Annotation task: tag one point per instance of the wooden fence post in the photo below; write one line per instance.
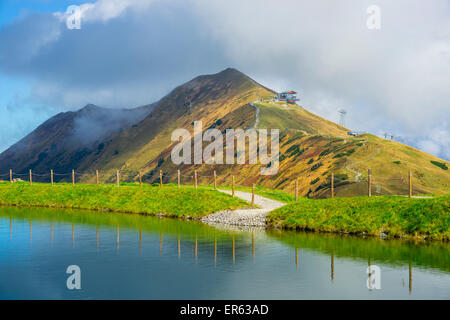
(118, 178)
(332, 184)
(51, 176)
(232, 179)
(410, 277)
(234, 250)
(179, 179)
(160, 178)
(369, 182)
(253, 193)
(73, 177)
(195, 179)
(296, 189)
(10, 176)
(215, 180)
(96, 174)
(410, 183)
(140, 178)
(31, 178)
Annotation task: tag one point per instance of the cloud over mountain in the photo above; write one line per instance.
(132, 52)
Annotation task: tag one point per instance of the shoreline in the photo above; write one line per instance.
(240, 227)
(377, 217)
(169, 201)
(245, 217)
(380, 217)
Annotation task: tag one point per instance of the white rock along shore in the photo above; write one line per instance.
(244, 217)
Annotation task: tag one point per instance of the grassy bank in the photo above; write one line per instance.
(169, 200)
(393, 216)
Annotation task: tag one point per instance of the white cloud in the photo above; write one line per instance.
(104, 10)
(396, 79)
(437, 141)
(131, 52)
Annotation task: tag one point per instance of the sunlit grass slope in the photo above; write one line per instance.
(281, 115)
(311, 149)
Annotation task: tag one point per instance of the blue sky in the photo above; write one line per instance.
(132, 52)
(10, 9)
(17, 121)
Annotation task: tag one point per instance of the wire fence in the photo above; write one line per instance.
(374, 185)
(320, 187)
(76, 177)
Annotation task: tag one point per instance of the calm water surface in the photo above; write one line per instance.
(136, 257)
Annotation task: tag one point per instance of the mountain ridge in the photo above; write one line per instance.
(138, 139)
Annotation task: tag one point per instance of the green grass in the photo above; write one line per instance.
(185, 202)
(394, 216)
(274, 116)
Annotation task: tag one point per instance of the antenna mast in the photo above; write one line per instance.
(342, 114)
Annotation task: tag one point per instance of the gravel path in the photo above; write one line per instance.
(256, 115)
(357, 173)
(244, 217)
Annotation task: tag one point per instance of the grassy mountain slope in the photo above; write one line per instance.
(282, 115)
(312, 159)
(311, 147)
(69, 140)
(205, 98)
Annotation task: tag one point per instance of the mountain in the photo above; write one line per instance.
(311, 147)
(69, 139)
